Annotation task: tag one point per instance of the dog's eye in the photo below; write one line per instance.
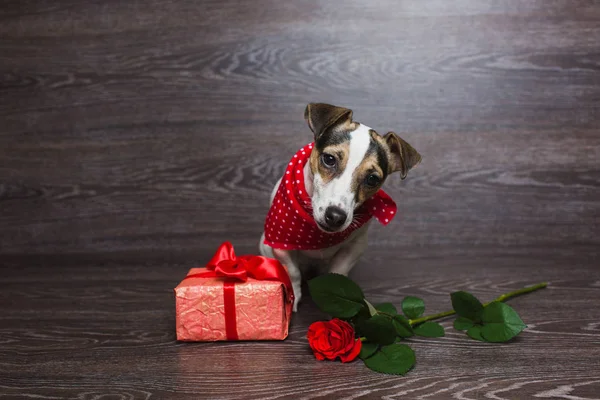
(328, 160)
(372, 180)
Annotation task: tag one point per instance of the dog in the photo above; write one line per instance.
(322, 206)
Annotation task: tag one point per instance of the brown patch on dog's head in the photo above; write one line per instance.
(331, 126)
(339, 151)
(368, 170)
(385, 155)
(372, 171)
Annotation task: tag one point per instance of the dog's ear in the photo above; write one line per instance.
(321, 116)
(404, 156)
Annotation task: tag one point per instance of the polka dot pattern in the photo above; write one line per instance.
(290, 224)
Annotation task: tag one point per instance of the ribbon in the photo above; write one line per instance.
(225, 264)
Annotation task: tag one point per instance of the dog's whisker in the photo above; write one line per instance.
(354, 224)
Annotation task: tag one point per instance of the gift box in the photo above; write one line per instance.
(234, 298)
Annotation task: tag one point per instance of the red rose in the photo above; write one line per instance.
(331, 339)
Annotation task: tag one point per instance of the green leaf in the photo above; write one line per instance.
(413, 307)
(466, 305)
(500, 323)
(387, 308)
(475, 333)
(395, 359)
(402, 326)
(362, 316)
(336, 295)
(367, 350)
(462, 323)
(372, 310)
(429, 329)
(378, 329)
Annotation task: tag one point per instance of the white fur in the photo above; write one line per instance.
(338, 191)
(342, 257)
(339, 259)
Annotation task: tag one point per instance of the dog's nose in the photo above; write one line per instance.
(335, 216)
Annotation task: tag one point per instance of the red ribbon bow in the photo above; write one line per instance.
(227, 265)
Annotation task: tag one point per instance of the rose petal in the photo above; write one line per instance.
(348, 346)
(336, 335)
(333, 339)
(334, 327)
(316, 326)
(337, 344)
(348, 335)
(322, 343)
(353, 354)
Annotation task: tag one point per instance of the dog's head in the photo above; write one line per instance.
(349, 164)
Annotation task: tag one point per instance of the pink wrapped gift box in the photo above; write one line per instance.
(213, 305)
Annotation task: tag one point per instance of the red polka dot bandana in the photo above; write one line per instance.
(290, 224)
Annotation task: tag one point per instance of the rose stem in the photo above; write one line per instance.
(503, 297)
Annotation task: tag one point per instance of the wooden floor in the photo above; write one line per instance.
(136, 136)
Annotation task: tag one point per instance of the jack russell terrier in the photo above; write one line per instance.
(321, 207)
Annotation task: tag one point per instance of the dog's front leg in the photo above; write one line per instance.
(286, 258)
(346, 258)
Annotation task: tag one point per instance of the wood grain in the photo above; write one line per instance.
(107, 329)
(137, 136)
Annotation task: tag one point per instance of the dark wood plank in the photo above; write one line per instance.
(137, 136)
(96, 325)
(516, 188)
